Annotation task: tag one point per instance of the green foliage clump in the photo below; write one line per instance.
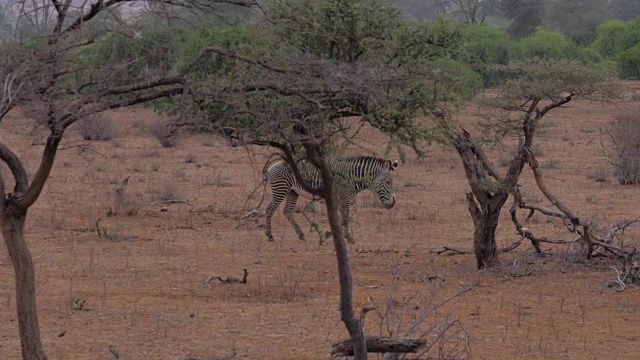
(629, 62)
(546, 44)
(486, 47)
(618, 41)
(333, 29)
(127, 57)
(456, 80)
(588, 56)
(163, 49)
(612, 38)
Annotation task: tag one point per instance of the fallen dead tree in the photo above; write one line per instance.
(378, 344)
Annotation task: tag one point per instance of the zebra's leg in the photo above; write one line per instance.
(289, 207)
(277, 197)
(345, 221)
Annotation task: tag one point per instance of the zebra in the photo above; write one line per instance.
(352, 175)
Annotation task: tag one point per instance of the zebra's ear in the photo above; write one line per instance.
(394, 165)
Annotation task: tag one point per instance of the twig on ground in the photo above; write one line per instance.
(228, 280)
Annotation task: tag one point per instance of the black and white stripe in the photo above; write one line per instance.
(352, 175)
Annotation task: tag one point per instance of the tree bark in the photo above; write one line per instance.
(379, 344)
(12, 224)
(344, 270)
(489, 192)
(316, 157)
(484, 236)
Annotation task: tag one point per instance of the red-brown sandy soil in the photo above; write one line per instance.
(143, 283)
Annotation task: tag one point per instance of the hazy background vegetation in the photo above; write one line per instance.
(603, 33)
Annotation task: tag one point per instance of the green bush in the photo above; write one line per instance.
(612, 38)
(333, 29)
(459, 80)
(192, 41)
(619, 41)
(484, 48)
(162, 49)
(142, 55)
(629, 62)
(546, 44)
(588, 56)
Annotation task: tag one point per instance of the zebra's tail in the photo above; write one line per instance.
(255, 209)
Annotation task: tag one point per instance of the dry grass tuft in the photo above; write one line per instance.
(97, 127)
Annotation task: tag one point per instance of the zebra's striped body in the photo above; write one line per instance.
(352, 175)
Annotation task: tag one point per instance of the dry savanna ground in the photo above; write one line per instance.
(139, 291)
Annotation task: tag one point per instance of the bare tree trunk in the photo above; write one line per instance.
(13, 213)
(484, 236)
(489, 192)
(344, 271)
(353, 325)
(12, 224)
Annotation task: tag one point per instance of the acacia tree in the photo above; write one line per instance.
(473, 12)
(347, 64)
(525, 15)
(44, 78)
(298, 107)
(578, 19)
(534, 88)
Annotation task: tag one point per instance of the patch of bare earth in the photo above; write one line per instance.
(139, 290)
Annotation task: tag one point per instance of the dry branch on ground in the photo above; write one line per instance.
(228, 280)
(378, 344)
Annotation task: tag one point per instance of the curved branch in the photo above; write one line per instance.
(16, 167)
(572, 216)
(42, 174)
(553, 105)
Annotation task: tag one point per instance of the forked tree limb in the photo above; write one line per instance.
(484, 160)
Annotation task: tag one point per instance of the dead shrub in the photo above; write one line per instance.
(165, 133)
(550, 164)
(623, 132)
(123, 202)
(599, 174)
(425, 315)
(97, 127)
(165, 191)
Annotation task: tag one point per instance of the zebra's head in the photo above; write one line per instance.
(383, 184)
